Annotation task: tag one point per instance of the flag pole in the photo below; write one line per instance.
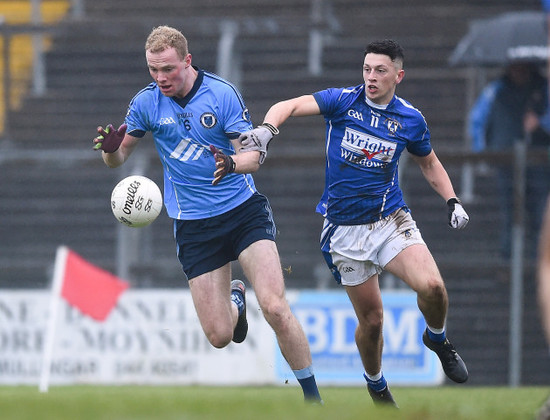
(59, 270)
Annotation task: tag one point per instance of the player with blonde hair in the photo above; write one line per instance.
(195, 118)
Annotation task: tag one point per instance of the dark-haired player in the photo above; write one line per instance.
(368, 227)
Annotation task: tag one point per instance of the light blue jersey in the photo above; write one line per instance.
(183, 128)
(363, 144)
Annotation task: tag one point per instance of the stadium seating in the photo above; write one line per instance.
(20, 45)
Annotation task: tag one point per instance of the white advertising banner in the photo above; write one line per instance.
(153, 336)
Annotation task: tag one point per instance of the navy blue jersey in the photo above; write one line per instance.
(183, 128)
(363, 144)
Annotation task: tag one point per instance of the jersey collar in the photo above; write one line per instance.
(198, 82)
(378, 106)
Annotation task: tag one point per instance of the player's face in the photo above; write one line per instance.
(170, 72)
(381, 76)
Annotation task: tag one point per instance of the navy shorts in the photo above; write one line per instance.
(207, 244)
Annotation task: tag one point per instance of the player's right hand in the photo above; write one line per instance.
(109, 139)
(258, 139)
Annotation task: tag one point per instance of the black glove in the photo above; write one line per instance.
(109, 139)
(458, 218)
(224, 164)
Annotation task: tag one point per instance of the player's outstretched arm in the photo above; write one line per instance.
(258, 139)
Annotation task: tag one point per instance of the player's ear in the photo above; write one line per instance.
(400, 76)
(188, 58)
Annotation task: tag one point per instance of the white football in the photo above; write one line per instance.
(136, 201)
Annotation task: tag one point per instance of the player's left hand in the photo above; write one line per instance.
(224, 164)
(258, 139)
(458, 218)
(109, 139)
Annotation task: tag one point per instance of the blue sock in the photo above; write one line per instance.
(238, 299)
(377, 385)
(309, 385)
(438, 336)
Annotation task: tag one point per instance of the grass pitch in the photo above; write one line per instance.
(265, 403)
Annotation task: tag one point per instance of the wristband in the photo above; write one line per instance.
(274, 130)
(232, 165)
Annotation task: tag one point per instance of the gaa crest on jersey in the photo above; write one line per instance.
(393, 125)
(208, 120)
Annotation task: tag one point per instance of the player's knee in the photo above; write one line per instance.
(277, 313)
(435, 289)
(371, 324)
(219, 339)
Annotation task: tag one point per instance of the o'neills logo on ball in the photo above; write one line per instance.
(130, 196)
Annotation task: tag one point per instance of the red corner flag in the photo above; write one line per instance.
(89, 288)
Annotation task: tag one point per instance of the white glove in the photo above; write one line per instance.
(458, 218)
(258, 139)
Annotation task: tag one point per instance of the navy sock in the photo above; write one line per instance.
(378, 385)
(436, 337)
(309, 385)
(238, 298)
